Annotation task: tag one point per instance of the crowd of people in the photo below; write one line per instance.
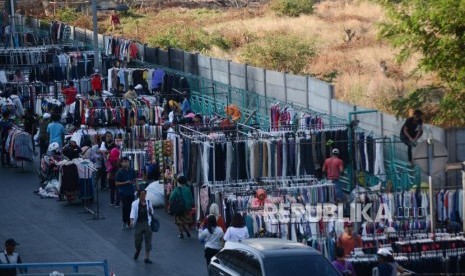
(114, 173)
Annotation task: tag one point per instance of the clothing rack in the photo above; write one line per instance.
(95, 213)
(30, 49)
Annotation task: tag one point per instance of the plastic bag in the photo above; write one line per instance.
(155, 194)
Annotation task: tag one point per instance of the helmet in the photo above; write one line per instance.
(53, 146)
(335, 151)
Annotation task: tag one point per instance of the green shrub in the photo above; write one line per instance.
(292, 7)
(205, 11)
(285, 53)
(67, 14)
(221, 41)
(182, 37)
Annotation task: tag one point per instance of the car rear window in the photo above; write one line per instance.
(315, 265)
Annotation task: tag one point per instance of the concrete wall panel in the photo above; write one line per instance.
(273, 77)
(275, 91)
(190, 63)
(163, 58)
(296, 82)
(220, 65)
(238, 69)
(255, 73)
(296, 96)
(239, 82)
(176, 59)
(204, 61)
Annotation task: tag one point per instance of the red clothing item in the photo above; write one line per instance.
(349, 243)
(133, 50)
(219, 222)
(114, 19)
(70, 95)
(333, 166)
(96, 83)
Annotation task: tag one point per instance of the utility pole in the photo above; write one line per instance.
(95, 35)
(12, 23)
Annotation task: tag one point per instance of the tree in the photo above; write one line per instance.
(436, 29)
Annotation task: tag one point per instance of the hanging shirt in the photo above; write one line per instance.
(70, 95)
(96, 82)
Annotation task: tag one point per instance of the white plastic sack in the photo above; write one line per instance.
(155, 194)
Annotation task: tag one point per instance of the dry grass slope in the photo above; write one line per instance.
(344, 32)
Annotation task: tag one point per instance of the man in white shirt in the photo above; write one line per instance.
(10, 257)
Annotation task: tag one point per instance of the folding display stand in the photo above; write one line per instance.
(96, 213)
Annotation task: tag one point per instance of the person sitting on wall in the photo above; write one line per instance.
(411, 131)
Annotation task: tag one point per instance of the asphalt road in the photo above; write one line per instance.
(52, 231)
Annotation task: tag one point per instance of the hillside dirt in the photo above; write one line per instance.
(350, 55)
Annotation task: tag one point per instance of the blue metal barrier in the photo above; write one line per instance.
(74, 265)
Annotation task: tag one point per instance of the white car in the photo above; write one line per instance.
(269, 257)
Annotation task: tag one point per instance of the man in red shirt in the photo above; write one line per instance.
(349, 240)
(333, 167)
(114, 20)
(70, 96)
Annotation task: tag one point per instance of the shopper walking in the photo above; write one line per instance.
(9, 256)
(212, 237)
(384, 268)
(6, 123)
(125, 181)
(215, 211)
(342, 265)
(237, 231)
(56, 131)
(104, 149)
(334, 167)
(113, 159)
(140, 219)
(182, 195)
(70, 94)
(43, 124)
(348, 240)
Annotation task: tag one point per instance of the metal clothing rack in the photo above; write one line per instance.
(95, 213)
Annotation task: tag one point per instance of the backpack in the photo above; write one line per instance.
(177, 204)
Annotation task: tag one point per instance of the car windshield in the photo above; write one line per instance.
(314, 265)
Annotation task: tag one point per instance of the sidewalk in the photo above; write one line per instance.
(51, 231)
